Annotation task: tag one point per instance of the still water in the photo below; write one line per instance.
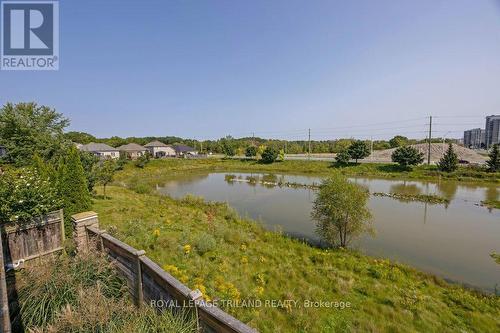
(452, 241)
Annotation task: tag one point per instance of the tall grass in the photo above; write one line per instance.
(84, 294)
(250, 263)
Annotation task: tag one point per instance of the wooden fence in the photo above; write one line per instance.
(22, 242)
(4, 298)
(148, 282)
(25, 241)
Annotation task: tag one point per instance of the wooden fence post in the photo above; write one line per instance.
(139, 291)
(80, 222)
(4, 309)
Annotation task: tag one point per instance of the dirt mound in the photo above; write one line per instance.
(437, 151)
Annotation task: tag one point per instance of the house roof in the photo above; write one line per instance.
(155, 144)
(183, 148)
(97, 147)
(131, 147)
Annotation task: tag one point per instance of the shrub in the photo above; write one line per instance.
(24, 194)
(142, 161)
(449, 161)
(269, 155)
(205, 243)
(343, 158)
(407, 156)
(251, 151)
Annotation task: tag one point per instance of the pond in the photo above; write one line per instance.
(453, 241)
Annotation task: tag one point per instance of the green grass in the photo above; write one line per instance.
(158, 171)
(209, 247)
(491, 203)
(429, 198)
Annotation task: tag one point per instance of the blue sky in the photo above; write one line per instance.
(206, 69)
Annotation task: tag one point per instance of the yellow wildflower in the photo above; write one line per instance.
(259, 290)
(244, 260)
(243, 247)
(156, 233)
(187, 249)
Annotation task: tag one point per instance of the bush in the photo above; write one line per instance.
(407, 156)
(205, 243)
(24, 194)
(269, 155)
(251, 151)
(343, 158)
(142, 161)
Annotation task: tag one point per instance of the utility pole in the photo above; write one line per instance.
(430, 136)
(253, 138)
(371, 148)
(309, 155)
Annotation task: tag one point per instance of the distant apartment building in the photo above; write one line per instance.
(492, 130)
(474, 138)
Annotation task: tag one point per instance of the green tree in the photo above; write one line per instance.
(494, 159)
(398, 141)
(228, 146)
(340, 211)
(343, 158)
(26, 129)
(449, 161)
(281, 155)
(25, 194)
(89, 162)
(105, 173)
(358, 149)
(73, 186)
(80, 137)
(251, 151)
(269, 155)
(407, 156)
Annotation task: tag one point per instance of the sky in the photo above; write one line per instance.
(206, 69)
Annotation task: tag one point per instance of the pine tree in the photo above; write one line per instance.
(449, 161)
(72, 186)
(494, 161)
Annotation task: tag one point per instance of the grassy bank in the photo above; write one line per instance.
(207, 246)
(158, 171)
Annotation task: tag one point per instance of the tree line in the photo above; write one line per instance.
(238, 146)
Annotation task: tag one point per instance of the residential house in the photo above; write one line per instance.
(101, 149)
(132, 150)
(158, 149)
(183, 150)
